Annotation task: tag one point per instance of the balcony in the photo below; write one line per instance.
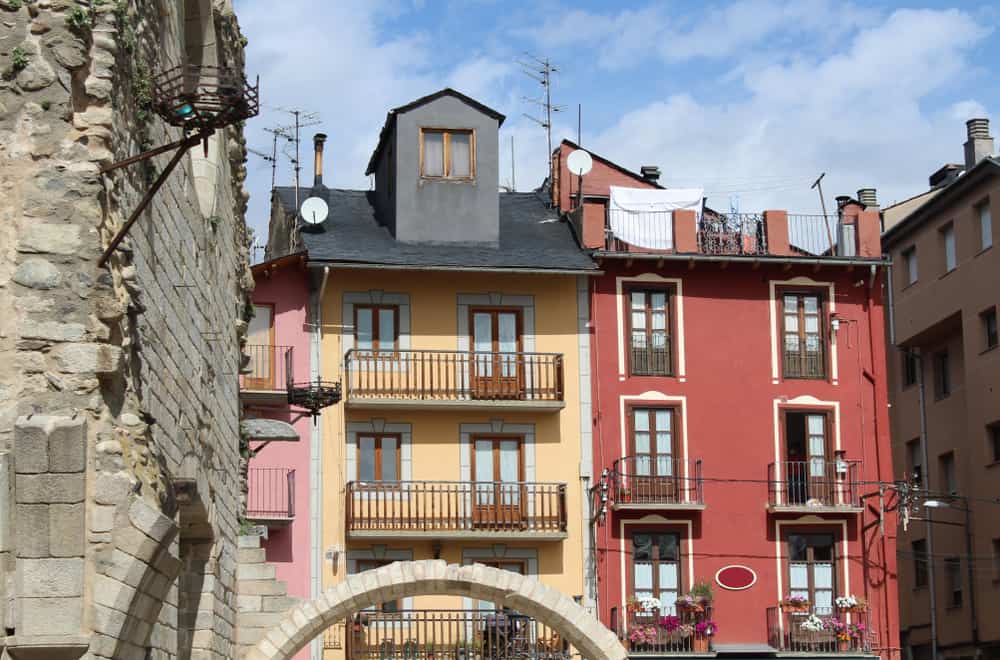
(664, 631)
(267, 374)
(271, 496)
(451, 635)
(814, 487)
(850, 236)
(647, 482)
(821, 631)
(454, 380)
(456, 509)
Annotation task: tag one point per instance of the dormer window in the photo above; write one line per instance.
(447, 153)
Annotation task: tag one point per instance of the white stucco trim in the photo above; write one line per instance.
(586, 440)
(801, 522)
(775, 339)
(651, 278)
(648, 521)
(655, 398)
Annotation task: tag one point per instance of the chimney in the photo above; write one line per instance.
(650, 173)
(867, 197)
(945, 175)
(318, 141)
(980, 143)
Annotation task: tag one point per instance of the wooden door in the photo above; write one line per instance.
(497, 366)
(498, 491)
(654, 477)
(260, 342)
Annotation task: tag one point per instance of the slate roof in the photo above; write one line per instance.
(531, 236)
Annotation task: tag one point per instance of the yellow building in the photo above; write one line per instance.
(455, 318)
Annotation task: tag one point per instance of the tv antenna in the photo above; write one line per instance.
(292, 133)
(818, 184)
(541, 70)
(270, 158)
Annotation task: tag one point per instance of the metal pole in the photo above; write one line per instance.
(548, 114)
(298, 165)
(818, 184)
(513, 179)
(928, 516)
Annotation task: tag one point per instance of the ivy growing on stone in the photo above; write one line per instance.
(18, 60)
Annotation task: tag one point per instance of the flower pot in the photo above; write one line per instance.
(843, 645)
(700, 644)
(790, 608)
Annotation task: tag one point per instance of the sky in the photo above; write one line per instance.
(751, 100)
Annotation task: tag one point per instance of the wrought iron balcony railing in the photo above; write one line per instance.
(820, 630)
(814, 484)
(431, 375)
(271, 494)
(666, 630)
(646, 479)
(405, 634)
(415, 508)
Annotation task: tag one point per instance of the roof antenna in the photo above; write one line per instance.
(818, 184)
(541, 71)
(291, 133)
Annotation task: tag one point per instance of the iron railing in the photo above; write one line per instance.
(646, 231)
(268, 369)
(815, 482)
(271, 493)
(821, 236)
(455, 506)
(664, 630)
(732, 234)
(820, 630)
(483, 634)
(649, 479)
(431, 375)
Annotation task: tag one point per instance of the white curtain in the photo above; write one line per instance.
(460, 154)
(433, 154)
(644, 217)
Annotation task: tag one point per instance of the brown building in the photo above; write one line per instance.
(944, 381)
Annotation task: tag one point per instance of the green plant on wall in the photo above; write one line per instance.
(18, 60)
(80, 20)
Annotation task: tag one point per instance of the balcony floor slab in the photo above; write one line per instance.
(469, 534)
(804, 509)
(675, 506)
(361, 403)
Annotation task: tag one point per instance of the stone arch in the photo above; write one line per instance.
(434, 576)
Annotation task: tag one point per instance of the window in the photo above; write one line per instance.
(390, 606)
(953, 578)
(378, 457)
(811, 570)
(650, 474)
(447, 154)
(985, 224)
(804, 340)
(909, 368)
(649, 333)
(916, 461)
(942, 375)
(989, 321)
(920, 558)
(260, 346)
(376, 328)
(993, 436)
(498, 470)
(498, 367)
(808, 470)
(910, 261)
(948, 238)
(656, 568)
(947, 463)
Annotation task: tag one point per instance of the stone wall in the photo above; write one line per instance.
(119, 446)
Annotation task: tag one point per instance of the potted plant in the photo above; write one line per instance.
(650, 604)
(812, 626)
(642, 636)
(682, 632)
(702, 593)
(839, 630)
(857, 631)
(670, 623)
(792, 603)
(850, 603)
(688, 603)
(633, 604)
(703, 631)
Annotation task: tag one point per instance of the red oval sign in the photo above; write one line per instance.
(735, 577)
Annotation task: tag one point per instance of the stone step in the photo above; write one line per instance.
(259, 619)
(252, 555)
(255, 572)
(249, 541)
(261, 588)
(278, 603)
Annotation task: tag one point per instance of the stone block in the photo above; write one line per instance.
(102, 518)
(31, 444)
(150, 521)
(248, 542)
(66, 533)
(49, 616)
(262, 588)
(246, 603)
(37, 273)
(68, 444)
(52, 330)
(111, 488)
(255, 572)
(88, 358)
(31, 524)
(45, 237)
(278, 603)
(252, 555)
(48, 488)
(46, 578)
(135, 543)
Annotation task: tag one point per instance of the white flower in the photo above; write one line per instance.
(650, 603)
(812, 623)
(846, 602)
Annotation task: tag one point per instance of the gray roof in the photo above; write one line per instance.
(532, 237)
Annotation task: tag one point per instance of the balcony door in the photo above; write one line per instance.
(260, 342)
(498, 470)
(653, 478)
(656, 568)
(811, 570)
(808, 471)
(497, 370)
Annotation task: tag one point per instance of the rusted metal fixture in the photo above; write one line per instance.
(199, 100)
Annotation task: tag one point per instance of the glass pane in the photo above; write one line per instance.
(638, 319)
(792, 343)
(667, 544)
(642, 547)
(386, 329)
(508, 333)
(364, 330)
(791, 323)
(985, 226)
(798, 575)
(817, 446)
(796, 547)
(390, 452)
(791, 304)
(659, 339)
(483, 331)
(643, 576)
(824, 601)
(659, 321)
(663, 420)
(433, 154)
(811, 304)
(366, 458)
(639, 339)
(815, 423)
(643, 465)
(812, 324)
(641, 419)
(509, 460)
(664, 465)
(260, 326)
(484, 460)
(823, 549)
(823, 576)
(460, 154)
(817, 467)
(642, 442)
(638, 300)
(658, 301)
(668, 576)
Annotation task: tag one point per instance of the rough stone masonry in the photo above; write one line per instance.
(119, 445)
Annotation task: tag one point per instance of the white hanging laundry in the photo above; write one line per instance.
(643, 217)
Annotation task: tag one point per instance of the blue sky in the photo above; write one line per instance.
(749, 99)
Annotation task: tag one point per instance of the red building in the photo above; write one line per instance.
(740, 424)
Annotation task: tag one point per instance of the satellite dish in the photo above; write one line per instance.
(314, 211)
(579, 162)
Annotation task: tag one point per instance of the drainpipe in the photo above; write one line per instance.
(928, 513)
(316, 464)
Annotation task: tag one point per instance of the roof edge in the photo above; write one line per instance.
(611, 163)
